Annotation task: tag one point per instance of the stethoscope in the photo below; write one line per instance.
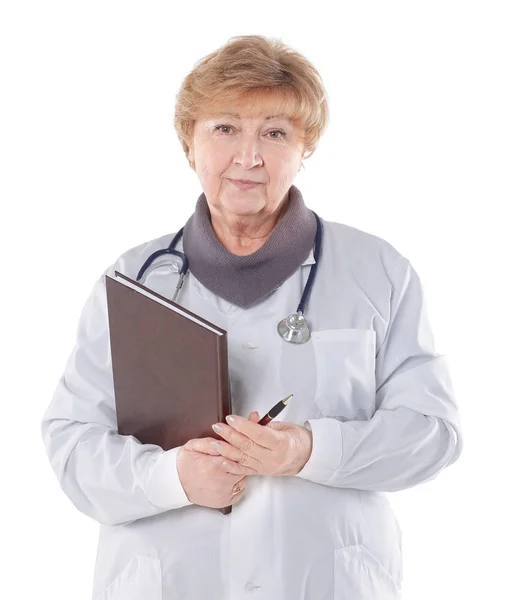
(293, 328)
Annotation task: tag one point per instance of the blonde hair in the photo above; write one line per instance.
(259, 74)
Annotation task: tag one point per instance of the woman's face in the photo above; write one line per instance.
(228, 146)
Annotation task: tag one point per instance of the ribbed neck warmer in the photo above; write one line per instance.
(245, 280)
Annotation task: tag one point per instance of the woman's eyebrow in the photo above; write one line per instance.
(239, 117)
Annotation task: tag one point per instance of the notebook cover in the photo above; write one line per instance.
(170, 374)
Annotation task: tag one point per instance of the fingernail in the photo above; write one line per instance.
(217, 428)
(230, 419)
(217, 446)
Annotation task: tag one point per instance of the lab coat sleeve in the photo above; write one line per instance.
(415, 430)
(112, 478)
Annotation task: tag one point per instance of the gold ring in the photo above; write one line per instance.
(236, 489)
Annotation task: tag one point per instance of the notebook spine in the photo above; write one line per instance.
(224, 387)
(223, 377)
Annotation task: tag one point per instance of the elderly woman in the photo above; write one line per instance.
(373, 408)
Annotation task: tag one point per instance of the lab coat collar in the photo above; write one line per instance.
(310, 260)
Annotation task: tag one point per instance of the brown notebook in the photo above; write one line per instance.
(170, 367)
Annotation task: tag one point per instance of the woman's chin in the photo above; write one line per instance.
(243, 206)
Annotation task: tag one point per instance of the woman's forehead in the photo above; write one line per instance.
(261, 108)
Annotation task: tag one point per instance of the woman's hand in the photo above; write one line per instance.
(205, 480)
(277, 448)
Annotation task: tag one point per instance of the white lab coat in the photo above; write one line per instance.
(370, 386)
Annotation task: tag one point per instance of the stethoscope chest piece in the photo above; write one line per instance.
(294, 329)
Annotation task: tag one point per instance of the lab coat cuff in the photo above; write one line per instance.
(164, 487)
(326, 455)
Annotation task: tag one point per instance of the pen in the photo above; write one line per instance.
(276, 410)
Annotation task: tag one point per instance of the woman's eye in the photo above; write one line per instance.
(280, 131)
(218, 127)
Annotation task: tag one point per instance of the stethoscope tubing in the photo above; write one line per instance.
(185, 264)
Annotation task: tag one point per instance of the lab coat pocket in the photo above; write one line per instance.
(359, 574)
(345, 373)
(141, 578)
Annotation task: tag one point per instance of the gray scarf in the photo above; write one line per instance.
(245, 280)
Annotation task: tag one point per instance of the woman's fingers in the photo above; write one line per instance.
(233, 468)
(241, 483)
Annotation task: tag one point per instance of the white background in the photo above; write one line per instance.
(422, 149)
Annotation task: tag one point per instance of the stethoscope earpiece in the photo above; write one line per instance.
(294, 329)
